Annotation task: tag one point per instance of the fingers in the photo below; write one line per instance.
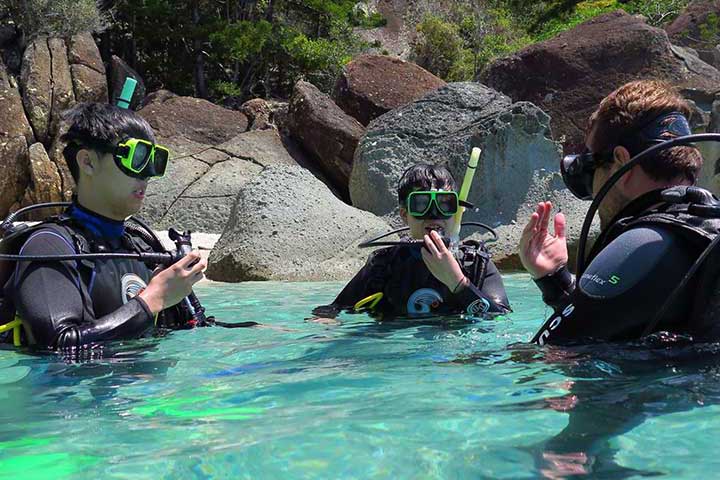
(438, 241)
(545, 218)
(431, 247)
(188, 259)
(559, 225)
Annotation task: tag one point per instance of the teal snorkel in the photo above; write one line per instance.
(123, 101)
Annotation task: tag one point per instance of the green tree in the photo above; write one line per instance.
(60, 18)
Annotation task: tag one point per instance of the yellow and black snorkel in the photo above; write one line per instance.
(463, 196)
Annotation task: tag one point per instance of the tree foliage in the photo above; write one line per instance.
(61, 18)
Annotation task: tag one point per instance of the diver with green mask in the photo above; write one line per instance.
(104, 290)
(428, 273)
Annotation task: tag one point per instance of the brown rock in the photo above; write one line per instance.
(36, 81)
(194, 119)
(325, 131)
(371, 85)
(258, 112)
(119, 72)
(13, 122)
(14, 178)
(697, 28)
(89, 85)
(82, 50)
(158, 96)
(63, 92)
(45, 183)
(87, 69)
(568, 75)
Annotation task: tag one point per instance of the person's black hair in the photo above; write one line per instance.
(424, 176)
(100, 126)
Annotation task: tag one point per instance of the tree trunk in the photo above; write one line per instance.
(199, 74)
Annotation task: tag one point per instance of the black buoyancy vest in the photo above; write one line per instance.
(694, 215)
(105, 285)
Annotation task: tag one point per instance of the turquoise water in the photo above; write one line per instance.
(443, 399)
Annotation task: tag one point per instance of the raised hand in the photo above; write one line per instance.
(541, 252)
(442, 264)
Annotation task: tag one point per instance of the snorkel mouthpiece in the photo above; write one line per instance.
(123, 101)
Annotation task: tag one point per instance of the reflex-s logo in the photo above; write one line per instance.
(614, 280)
(131, 285)
(555, 323)
(423, 301)
(477, 307)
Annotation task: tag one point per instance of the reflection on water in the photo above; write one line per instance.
(437, 398)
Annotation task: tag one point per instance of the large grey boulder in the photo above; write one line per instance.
(287, 225)
(198, 190)
(519, 165)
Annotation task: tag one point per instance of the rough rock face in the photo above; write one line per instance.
(287, 225)
(710, 175)
(518, 168)
(44, 180)
(15, 134)
(63, 95)
(371, 85)
(193, 119)
(258, 114)
(198, 190)
(36, 80)
(87, 68)
(119, 71)
(697, 27)
(325, 131)
(568, 75)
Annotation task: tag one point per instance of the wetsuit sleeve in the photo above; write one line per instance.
(556, 287)
(49, 298)
(623, 289)
(353, 292)
(484, 295)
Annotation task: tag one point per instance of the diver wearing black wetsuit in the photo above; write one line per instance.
(408, 287)
(623, 287)
(75, 302)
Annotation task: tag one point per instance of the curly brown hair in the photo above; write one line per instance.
(631, 107)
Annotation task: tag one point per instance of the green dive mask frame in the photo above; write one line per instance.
(420, 203)
(140, 158)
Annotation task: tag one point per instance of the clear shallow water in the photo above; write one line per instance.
(437, 400)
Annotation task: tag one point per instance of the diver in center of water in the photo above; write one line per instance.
(65, 305)
(422, 279)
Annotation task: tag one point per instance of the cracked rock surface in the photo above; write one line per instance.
(213, 157)
(287, 225)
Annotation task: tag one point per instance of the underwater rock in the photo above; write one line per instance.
(372, 85)
(518, 168)
(325, 131)
(287, 225)
(568, 75)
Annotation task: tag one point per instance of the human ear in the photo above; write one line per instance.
(404, 214)
(85, 161)
(621, 157)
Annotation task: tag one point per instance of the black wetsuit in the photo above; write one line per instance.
(409, 289)
(74, 303)
(629, 277)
